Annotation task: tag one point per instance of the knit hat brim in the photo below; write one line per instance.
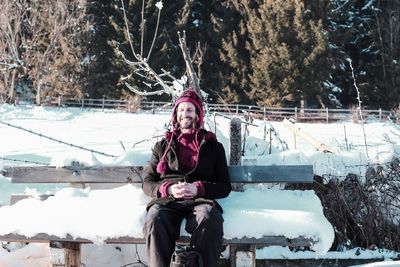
(192, 97)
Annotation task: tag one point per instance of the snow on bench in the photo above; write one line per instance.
(258, 215)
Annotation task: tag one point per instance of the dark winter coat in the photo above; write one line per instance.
(211, 169)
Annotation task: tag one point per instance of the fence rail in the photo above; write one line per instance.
(267, 113)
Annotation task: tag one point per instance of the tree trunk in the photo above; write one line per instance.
(39, 92)
(381, 43)
(320, 101)
(303, 103)
(11, 91)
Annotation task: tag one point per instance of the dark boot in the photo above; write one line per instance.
(206, 227)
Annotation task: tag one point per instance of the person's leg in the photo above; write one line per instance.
(161, 229)
(206, 226)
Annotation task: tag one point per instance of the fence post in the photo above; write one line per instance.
(380, 114)
(327, 115)
(83, 101)
(265, 115)
(237, 109)
(235, 141)
(295, 113)
(102, 104)
(235, 159)
(270, 141)
(65, 254)
(152, 107)
(129, 106)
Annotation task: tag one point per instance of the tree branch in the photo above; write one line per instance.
(189, 66)
(138, 92)
(144, 70)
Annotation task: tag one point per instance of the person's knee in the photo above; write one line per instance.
(155, 217)
(210, 214)
(161, 222)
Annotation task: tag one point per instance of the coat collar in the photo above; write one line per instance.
(201, 135)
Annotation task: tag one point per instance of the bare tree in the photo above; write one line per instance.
(56, 28)
(11, 20)
(42, 43)
(164, 79)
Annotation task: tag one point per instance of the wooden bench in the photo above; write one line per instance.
(81, 176)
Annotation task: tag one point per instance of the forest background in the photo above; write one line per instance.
(307, 53)
(273, 53)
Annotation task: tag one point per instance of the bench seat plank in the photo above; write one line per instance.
(49, 174)
(265, 240)
(135, 174)
(272, 174)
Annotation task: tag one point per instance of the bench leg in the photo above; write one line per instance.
(247, 255)
(65, 254)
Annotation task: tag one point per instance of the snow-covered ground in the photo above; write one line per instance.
(267, 210)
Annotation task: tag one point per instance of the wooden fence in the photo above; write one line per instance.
(267, 113)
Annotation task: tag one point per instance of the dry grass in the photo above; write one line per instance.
(364, 213)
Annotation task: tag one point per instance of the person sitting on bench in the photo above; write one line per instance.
(186, 173)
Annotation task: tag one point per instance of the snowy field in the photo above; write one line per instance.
(128, 137)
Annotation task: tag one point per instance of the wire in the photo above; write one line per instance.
(139, 261)
(25, 161)
(53, 139)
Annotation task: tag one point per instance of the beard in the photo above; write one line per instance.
(188, 123)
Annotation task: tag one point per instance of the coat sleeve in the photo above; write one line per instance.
(222, 185)
(152, 180)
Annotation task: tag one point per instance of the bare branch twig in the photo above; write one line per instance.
(155, 33)
(144, 93)
(127, 29)
(359, 106)
(189, 66)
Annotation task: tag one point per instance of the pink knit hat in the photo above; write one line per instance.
(191, 96)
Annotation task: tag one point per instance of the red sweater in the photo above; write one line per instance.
(188, 154)
(187, 150)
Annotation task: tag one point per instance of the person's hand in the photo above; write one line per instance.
(183, 190)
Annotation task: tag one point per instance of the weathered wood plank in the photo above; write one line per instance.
(272, 174)
(15, 198)
(250, 249)
(308, 138)
(320, 262)
(124, 174)
(265, 240)
(66, 254)
(47, 174)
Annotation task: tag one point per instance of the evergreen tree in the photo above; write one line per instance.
(234, 58)
(339, 35)
(367, 32)
(384, 73)
(350, 35)
(203, 26)
(102, 70)
(289, 54)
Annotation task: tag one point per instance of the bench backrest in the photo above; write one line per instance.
(135, 174)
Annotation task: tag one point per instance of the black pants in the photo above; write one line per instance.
(162, 229)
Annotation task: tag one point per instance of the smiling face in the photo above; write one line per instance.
(186, 116)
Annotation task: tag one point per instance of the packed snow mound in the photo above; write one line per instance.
(100, 214)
